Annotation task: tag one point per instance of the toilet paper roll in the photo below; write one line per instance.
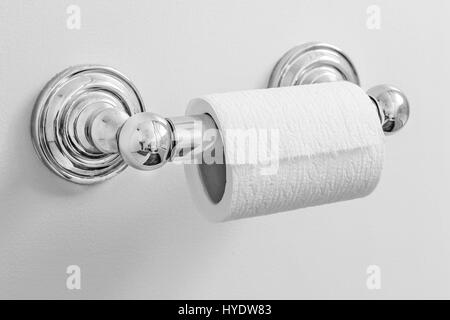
(315, 144)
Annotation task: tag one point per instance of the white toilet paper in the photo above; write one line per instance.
(330, 147)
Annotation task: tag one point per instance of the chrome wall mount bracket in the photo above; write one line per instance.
(64, 111)
(89, 122)
(310, 63)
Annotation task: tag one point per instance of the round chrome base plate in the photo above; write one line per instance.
(310, 63)
(55, 123)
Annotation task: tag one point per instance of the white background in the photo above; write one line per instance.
(140, 236)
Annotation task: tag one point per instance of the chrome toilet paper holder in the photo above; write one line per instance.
(86, 116)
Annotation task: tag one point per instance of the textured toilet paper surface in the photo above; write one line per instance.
(325, 141)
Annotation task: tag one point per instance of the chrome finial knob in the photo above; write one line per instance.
(145, 141)
(393, 107)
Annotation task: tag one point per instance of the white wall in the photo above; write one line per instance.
(139, 235)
